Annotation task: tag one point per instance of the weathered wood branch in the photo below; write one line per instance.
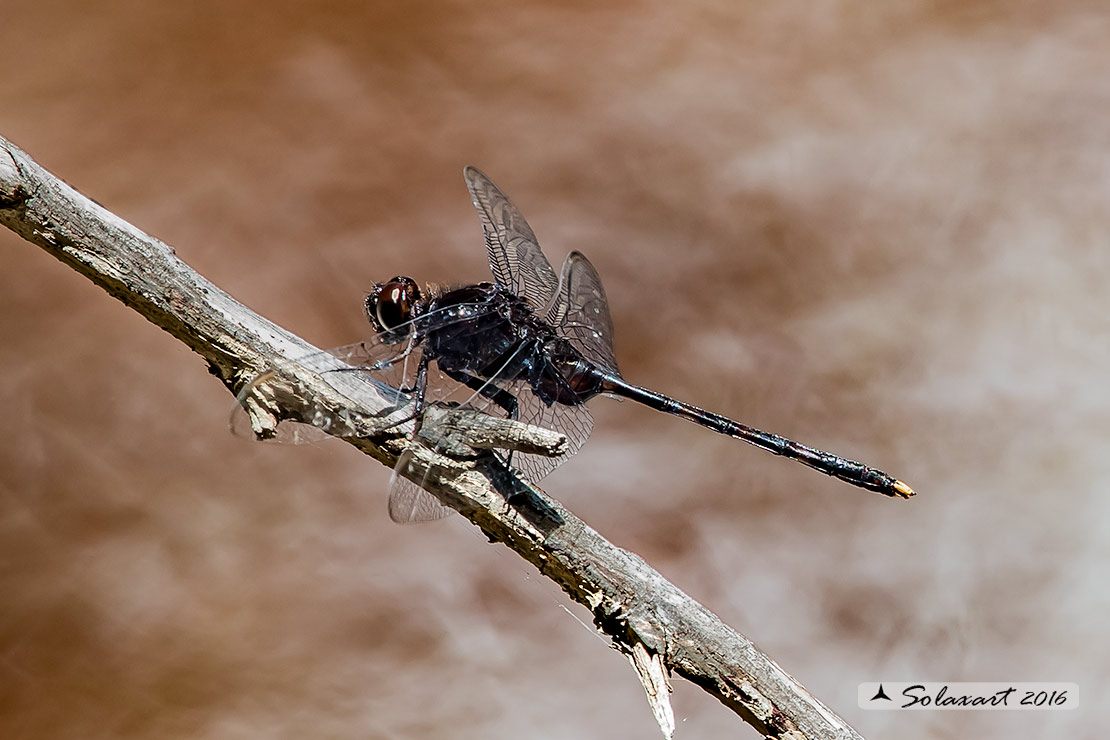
(647, 618)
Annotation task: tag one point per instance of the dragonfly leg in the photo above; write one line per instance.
(507, 401)
(420, 389)
(418, 392)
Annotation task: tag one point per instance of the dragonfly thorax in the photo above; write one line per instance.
(480, 329)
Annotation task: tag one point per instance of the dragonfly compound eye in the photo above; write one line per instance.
(390, 305)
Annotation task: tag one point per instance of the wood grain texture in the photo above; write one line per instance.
(631, 602)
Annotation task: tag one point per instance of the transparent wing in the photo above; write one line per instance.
(575, 422)
(515, 257)
(355, 369)
(580, 312)
(387, 369)
(288, 431)
(391, 367)
(411, 503)
(408, 502)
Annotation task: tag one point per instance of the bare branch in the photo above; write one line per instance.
(646, 617)
(653, 676)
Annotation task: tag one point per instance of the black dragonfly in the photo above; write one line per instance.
(532, 346)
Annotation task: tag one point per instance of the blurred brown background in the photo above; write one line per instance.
(879, 229)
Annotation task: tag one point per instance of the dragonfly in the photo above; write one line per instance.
(534, 346)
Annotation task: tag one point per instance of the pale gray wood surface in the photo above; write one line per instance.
(632, 603)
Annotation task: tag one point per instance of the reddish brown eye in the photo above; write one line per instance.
(394, 307)
(390, 306)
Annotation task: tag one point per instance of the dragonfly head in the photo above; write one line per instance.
(391, 307)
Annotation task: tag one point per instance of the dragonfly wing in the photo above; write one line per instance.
(287, 431)
(408, 502)
(390, 367)
(580, 313)
(515, 257)
(386, 368)
(575, 422)
(372, 365)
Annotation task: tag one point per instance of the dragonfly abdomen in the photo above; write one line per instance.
(849, 471)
